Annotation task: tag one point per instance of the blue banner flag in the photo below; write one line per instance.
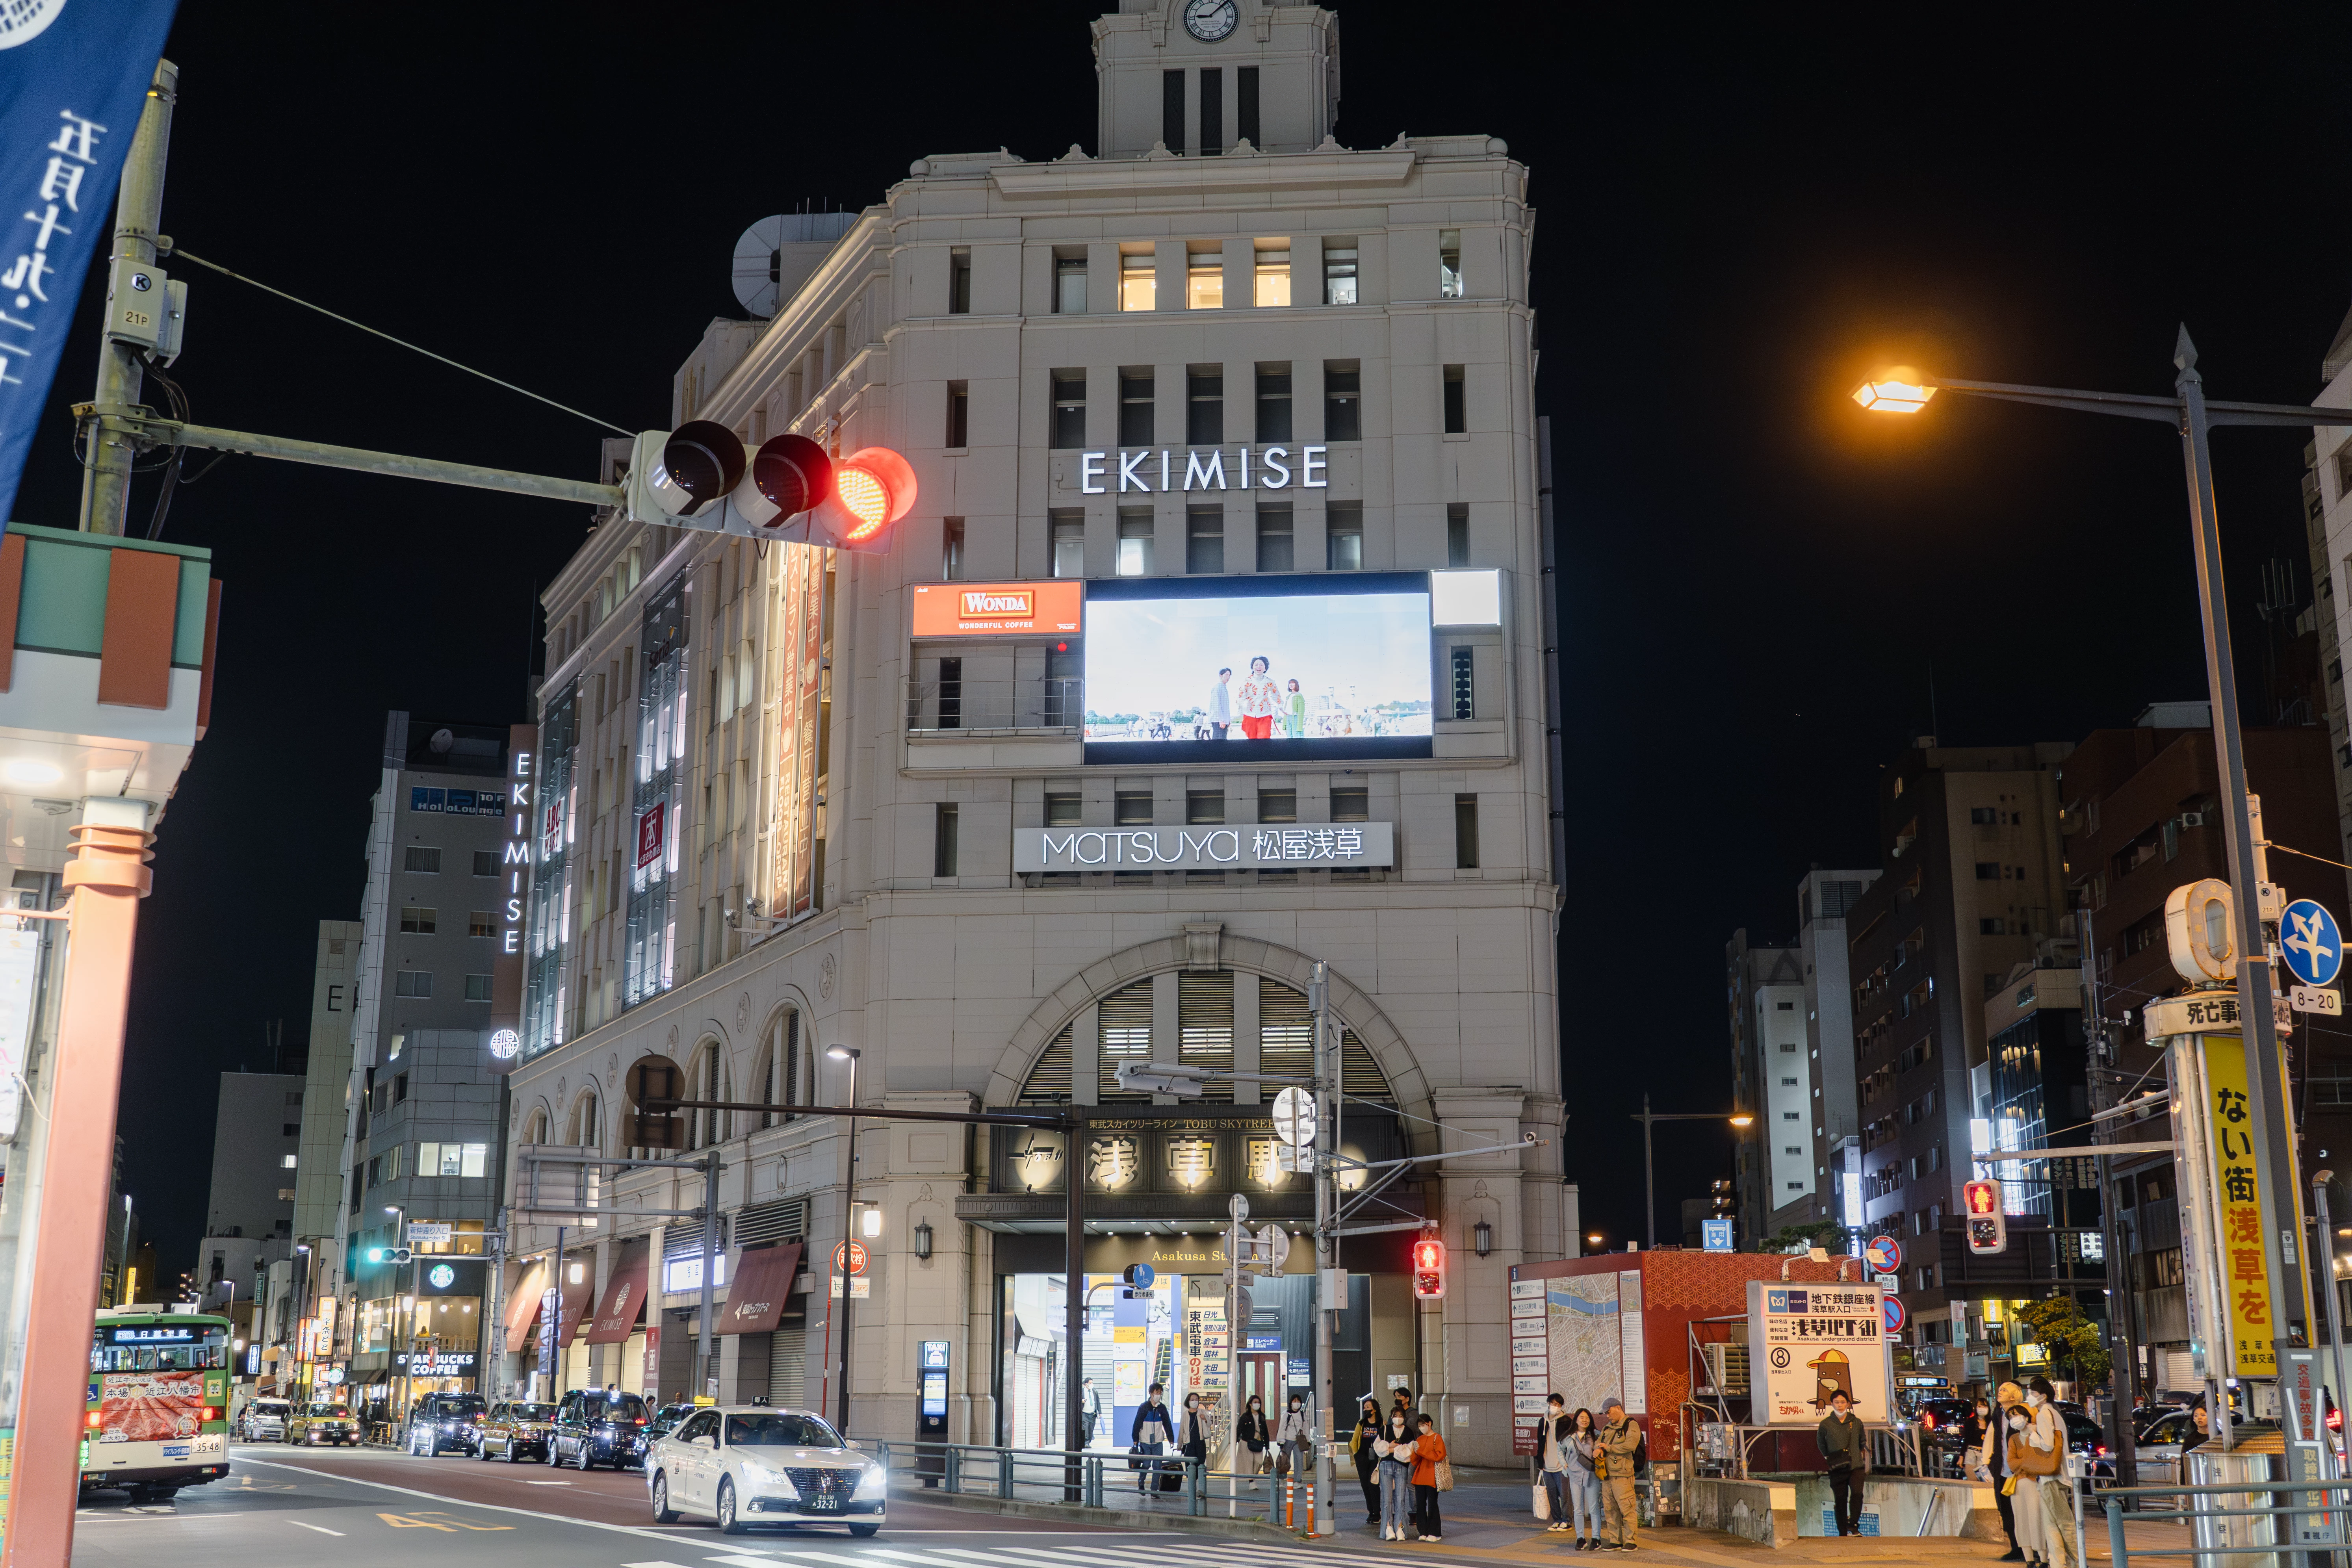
(73, 79)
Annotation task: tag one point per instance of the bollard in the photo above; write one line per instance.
(1288, 1486)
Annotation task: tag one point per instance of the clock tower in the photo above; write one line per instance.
(1199, 76)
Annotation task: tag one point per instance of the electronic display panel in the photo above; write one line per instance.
(1256, 670)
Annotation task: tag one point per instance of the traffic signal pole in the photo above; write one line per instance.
(1327, 1241)
(138, 222)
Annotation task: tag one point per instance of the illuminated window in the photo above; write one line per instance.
(1069, 285)
(1338, 272)
(1139, 285)
(1204, 280)
(1270, 278)
(481, 922)
(1449, 264)
(1135, 544)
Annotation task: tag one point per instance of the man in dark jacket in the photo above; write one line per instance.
(1150, 1432)
(1846, 1445)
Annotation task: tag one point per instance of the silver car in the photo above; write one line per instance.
(264, 1420)
(745, 1465)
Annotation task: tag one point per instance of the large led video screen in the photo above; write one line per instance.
(1256, 670)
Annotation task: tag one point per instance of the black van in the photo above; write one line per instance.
(594, 1426)
(438, 1423)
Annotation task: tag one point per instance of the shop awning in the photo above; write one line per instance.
(755, 1296)
(624, 1298)
(523, 1307)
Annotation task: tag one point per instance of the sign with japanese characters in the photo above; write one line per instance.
(73, 80)
(2244, 1286)
(1808, 1343)
(1269, 847)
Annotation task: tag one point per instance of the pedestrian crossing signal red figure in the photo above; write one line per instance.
(1988, 1227)
(1428, 1268)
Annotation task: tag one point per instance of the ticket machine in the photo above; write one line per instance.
(932, 1367)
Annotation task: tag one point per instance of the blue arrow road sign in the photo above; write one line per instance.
(2314, 947)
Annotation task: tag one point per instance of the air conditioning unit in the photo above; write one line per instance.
(1727, 1367)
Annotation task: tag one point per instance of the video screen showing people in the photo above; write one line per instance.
(1266, 669)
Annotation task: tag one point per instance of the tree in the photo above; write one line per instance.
(2073, 1341)
(1826, 1234)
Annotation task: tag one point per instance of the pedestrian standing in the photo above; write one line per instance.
(1585, 1481)
(1428, 1453)
(1844, 1444)
(1619, 1441)
(1148, 1435)
(1395, 1451)
(1992, 1464)
(2048, 1433)
(1195, 1444)
(1253, 1435)
(1090, 1407)
(1556, 1431)
(1368, 1461)
(2024, 1487)
(1294, 1438)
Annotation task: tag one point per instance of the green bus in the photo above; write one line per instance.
(158, 1413)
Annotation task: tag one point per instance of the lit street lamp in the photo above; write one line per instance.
(1649, 1187)
(848, 1228)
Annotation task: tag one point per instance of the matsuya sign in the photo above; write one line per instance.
(1282, 847)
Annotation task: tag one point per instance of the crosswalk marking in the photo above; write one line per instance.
(652, 1565)
(1205, 1554)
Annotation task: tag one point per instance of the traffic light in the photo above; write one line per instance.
(392, 1254)
(1988, 1227)
(1428, 1268)
(700, 476)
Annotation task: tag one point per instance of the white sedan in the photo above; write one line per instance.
(743, 1464)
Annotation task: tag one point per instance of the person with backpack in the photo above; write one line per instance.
(1619, 1447)
(1294, 1439)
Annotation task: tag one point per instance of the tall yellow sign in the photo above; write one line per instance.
(2244, 1286)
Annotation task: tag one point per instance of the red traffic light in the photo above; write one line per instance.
(1428, 1268)
(873, 488)
(1982, 1197)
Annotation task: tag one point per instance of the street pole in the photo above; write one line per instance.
(1073, 1314)
(138, 221)
(1648, 1185)
(706, 1350)
(849, 1228)
(2325, 1254)
(555, 1361)
(1327, 1241)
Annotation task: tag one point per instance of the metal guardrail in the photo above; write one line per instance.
(2133, 1506)
(1103, 1479)
(1037, 703)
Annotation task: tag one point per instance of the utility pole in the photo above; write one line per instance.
(1329, 1280)
(138, 222)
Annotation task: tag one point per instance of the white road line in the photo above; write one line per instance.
(651, 1566)
(554, 1484)
(485, 1507)
(320, 1527)
(924, 1558)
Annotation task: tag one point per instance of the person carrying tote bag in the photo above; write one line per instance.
(1368, 1461)
(1394, 1448)
(1254, 1435)
(1294, 1439)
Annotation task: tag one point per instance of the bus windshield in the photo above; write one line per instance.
(191, 1345)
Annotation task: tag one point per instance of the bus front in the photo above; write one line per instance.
(157, 1418)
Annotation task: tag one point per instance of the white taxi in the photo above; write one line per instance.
(745, 1465)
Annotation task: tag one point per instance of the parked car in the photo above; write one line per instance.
(514, 1429)
(599, 1427)
(322, 1422)
(744, 1465)
(438, 1423)
(264, 1420)
(1943, 1419)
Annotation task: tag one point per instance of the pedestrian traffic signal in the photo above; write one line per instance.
(1428, 1268)
(700, 476)
(1988, 1227)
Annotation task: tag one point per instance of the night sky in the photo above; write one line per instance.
(1739, 214)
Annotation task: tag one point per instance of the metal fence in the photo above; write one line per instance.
(937, 703)
(2271, 1528)
(1096, 1479)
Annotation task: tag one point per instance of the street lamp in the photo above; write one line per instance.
(1649, 1187)
(848, 1227)
(399, 1318)
(1905, 391)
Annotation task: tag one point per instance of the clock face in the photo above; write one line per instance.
(1208, 20)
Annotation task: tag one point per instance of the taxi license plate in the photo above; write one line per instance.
(821, 1503)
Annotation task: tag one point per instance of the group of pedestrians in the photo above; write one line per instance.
(1588, 1475)
(2024, 1449)
(1398, 1458)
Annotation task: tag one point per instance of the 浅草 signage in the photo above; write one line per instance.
(1242, 849)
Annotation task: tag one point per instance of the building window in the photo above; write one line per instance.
(1066, 532)
(399, 1088)
(1343, 401)
(452, 1158)
(414, 922)
(1205, 541)
(1270, 278)
(477, 988)
(481, 922)
(1987, 870)
(412, 983)
(1344, 538)
(1338, 272)
(1456, 417)
(1464, 682)
(943, 840)
(959, 282)
(1245, 104)
(1131, 808)
(1992, 926)
(421, 858)
(1135, 544)
(1205, 405)
(1064, 808)
(951, 693)
(1069, 410)
(286, 1161)
(1135, 400)
(1351, 802)
(1204, 280)
(1171, 116)
(1449, 264)
(1204, 805)
(951, 549)
(1139, 284)
(1278, 804)
(1273, 402)
(1069, 285)
(1457, 534)
(959, 431)
(1466, 831)
(486, 863)
(1212, 110)
(1274, 539)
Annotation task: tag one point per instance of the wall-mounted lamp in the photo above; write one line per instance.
(1482, 1238)
(923, 1240)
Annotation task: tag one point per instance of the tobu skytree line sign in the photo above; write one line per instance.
(1271, 847)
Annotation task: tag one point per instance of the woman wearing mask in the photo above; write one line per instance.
(1428, 1453)
(1196, 1432)
(1368, 1462)
(1293, 1438)
(1992, 1460)
(1395, 1451)
(1583, 1483)
(1253, 1435)
(2023, 1487)
(2046, 1436)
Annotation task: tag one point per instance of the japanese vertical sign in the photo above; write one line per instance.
(796, 621)
(73, 79)
(2244, 1286)
(1530, 1365)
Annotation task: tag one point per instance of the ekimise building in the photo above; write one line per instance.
(1214, 648)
